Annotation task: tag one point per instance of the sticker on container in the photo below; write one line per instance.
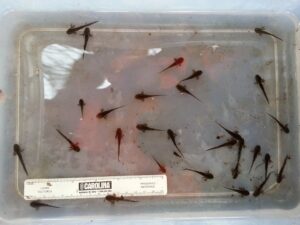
(94, 187)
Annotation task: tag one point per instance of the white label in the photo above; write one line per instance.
(94, 187)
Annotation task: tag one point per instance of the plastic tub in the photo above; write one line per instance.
(44, 76)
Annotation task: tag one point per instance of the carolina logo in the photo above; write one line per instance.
(84, 186)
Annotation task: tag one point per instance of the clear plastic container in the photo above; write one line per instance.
(44, 76)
